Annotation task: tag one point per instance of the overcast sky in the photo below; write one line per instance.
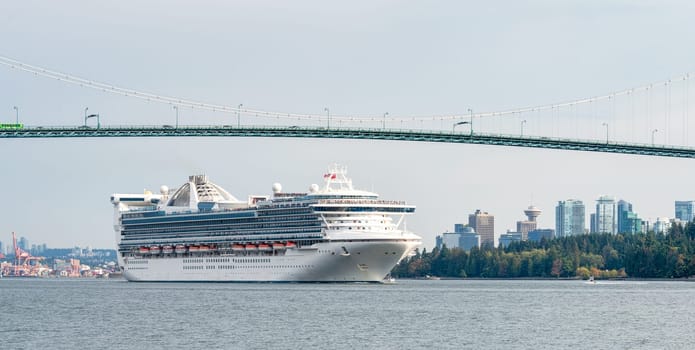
(357, 57)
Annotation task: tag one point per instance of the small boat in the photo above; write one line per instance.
(167, 249)
(251, 248)
(278, 246)
(180, 249)
(155, 249)
(433, 278)
(144, 250)
(204, 249)
(591, 280)
(193, 249)
(290, 245)
(389, 280)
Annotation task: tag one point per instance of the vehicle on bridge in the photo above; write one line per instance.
(11, 126)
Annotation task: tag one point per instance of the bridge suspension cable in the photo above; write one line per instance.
(109, 88)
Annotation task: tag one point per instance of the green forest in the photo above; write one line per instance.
(643, 255)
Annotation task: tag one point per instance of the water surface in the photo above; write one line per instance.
(461, 314)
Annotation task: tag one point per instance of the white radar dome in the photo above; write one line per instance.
(277, 188)
(314, 188)
(164, 189)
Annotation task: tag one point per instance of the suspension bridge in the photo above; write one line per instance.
(626, 121)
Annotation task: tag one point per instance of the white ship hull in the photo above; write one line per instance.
(201, 233)
(368, 261)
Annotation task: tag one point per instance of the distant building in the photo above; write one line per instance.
(685, 210)
(525, 226)
(570, 218)
(661, 225)
(466, 239)
(593, 224)
(469, 240)
(23, 243)
(484, 225)
(606, 219)
(628, 221)
(538, 234)
(507, 238)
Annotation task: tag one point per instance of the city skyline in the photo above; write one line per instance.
(365, 58)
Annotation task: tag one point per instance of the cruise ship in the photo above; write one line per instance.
(200, 232)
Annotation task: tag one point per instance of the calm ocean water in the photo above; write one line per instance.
(115, 314)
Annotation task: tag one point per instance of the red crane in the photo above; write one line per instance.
(22, 260)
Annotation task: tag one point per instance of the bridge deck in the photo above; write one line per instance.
(350, 133)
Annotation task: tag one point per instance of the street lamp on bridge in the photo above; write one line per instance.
(471, 112)
(383, 125)
(238, 115)
(85, 115)
(16, 115)
(653, 131)
(176, 108)
(328, 117)
(522, 127)
(606, 125)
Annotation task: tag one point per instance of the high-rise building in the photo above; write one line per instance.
(530, 224)
(23, 243)
(662, 225)
(685, 210)
(628, 221)
(507, 238)
(538, 234)
(593, 225)
(464, 238)
(606, 220)
(570, 218)
(484, 225)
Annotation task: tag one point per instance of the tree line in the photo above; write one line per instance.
(642, 255)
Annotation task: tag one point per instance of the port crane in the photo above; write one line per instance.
(22, 261)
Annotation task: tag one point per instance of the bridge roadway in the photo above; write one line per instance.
(350, 133)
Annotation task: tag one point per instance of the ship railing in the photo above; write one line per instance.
(219, 239)
(360, 201)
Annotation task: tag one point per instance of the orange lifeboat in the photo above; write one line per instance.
(278, 246)
(251, 248)
(204, 248)
(180, 249)
(144, 250)
(290, 245)
(264, 247)
(167, 249)
(193, 249)
(238, 247)
(154, 249)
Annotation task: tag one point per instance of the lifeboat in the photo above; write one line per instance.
(154, 249)
(167, 249)
(278, 246)
(250, 248)
(180, 249)
(238, 247)
(290, 245)
(264, 247)
(204, 248)
(193, 249)
(144, 250)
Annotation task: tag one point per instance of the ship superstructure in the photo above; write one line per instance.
(200, 232)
